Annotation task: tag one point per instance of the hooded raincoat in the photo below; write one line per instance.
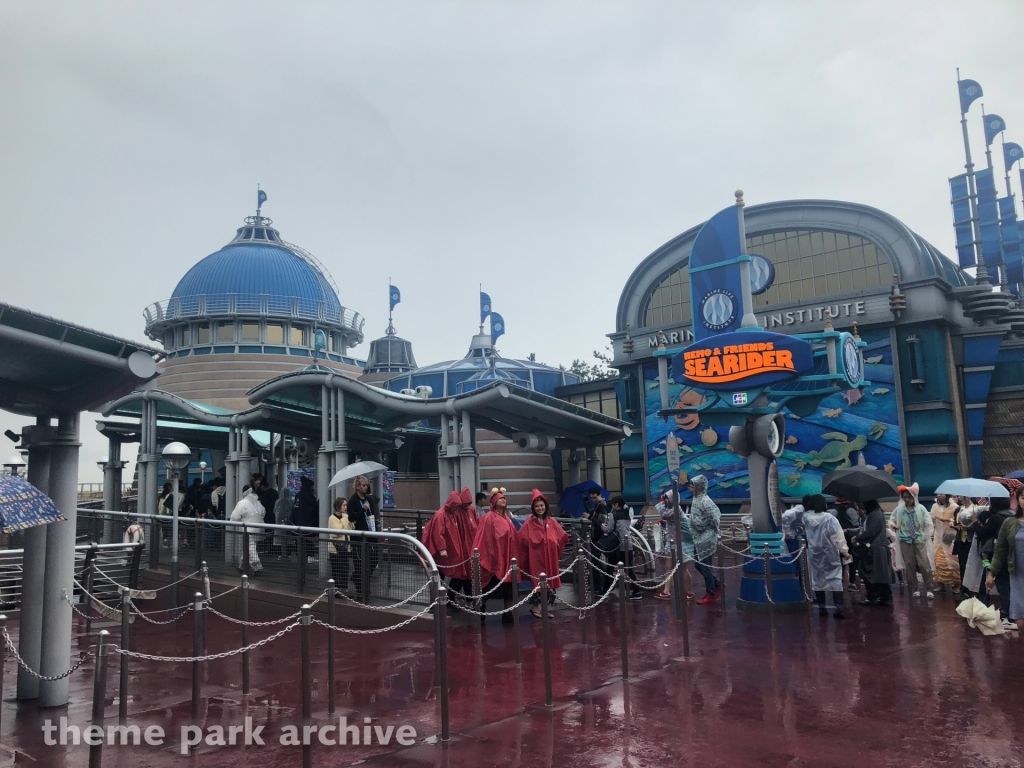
(873, 543)
(442, 534)
(540, 544)
(705, 518)
(469, 520)
(496, 540)
(826, 545)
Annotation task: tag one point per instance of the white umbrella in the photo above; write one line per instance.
(367, 468)
(972, 486)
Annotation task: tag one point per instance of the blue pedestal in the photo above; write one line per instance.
(787, 594)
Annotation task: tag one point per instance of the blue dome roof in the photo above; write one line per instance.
(254, 270)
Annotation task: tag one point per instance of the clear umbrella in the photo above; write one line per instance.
(367, 468)
(973, 487)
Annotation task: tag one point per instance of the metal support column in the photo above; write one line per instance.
(594, 466)
(30, 630)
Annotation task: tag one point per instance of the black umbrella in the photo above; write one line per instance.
(859, 484)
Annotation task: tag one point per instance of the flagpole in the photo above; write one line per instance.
(479, 294)
(981, 273)
(1005, 166)
(391, 309)
(984, 130)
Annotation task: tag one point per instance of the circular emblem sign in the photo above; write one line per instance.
(851, 357)
(718, 309)
(762, 274)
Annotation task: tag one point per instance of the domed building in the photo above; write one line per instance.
(248, 312)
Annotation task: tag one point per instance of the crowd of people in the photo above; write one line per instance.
(971, 545)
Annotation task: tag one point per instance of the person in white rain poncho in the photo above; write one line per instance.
(826, 552)
(248, 510)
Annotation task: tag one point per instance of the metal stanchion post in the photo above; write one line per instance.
(442, 662)
(678, 602)
(331, 607)
(581, 592)
(546, 639)
(435, 584)
(768, 582)
(515, 612)
(3, 653)
(477, 587)
(197, 651)
(677, 582)
(122, 690)
(245, 633)
(721, 567)
(206, 595)
(99, 692)
(87, 598)
(620, 570)
(307, 683)
(245, 549)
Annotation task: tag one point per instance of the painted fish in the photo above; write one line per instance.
(791, 440)
(791, 478)
(880, 391)
(833, 436)
(877, 429)
(742, 480)
(853, 396)
(832, 413)
(659, 451)
(685, 448)
(873, 360)
(730, 448)
(725, 484)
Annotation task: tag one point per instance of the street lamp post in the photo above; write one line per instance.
(202, 471)
(176, 457)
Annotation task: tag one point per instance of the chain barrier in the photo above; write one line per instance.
(642, 583)
(455, 565)
(558, 575)
(518, 605)
(225, 592)
(45, 678)
(401, 624)
(145, 617)
(583, 609)
(409, 599)
(272, 623)
(66, 599)
(211, 657)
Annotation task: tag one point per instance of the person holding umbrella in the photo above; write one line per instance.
(872, 542)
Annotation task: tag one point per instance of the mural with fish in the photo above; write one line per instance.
(853, 427)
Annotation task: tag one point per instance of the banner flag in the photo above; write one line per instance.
(960, 195)
(1011, 154)
(497, 326)
(485, 306)
(970, 91)
(988, 217)
(716, 287)
(261, 198)
(994, 125)
(1010, 233)
(396, 296)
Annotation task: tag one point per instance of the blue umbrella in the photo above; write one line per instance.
(572, 498)
(973, 487)
(22, 505)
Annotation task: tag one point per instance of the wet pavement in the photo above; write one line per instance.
(907, 686)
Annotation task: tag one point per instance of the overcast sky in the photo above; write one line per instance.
(540, 148)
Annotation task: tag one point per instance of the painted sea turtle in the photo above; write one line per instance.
(835, 452)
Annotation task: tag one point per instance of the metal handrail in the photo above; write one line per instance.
(241, 527)
(262, 305)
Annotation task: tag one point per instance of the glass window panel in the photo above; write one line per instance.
(871, 277)
(829, 239)
(842, 241)
(804, 244)
(870, 254)
(831, 263)
(784, 293)
(858, 279)
(225, 331)
(186, 337)
(807, 288)
(781, 273)
(884, 274)
(250, 331)
(857, 257)
(818, 264)
(845, 263)
(819, 286)
(275, 333)
(832, 282)
(203, 334)
(297, 338)
(817, 244)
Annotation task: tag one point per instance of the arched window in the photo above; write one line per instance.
(808, 265)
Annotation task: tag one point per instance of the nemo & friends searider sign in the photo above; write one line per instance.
(742, 360)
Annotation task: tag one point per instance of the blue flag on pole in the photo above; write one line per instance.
(988, 218)
(396, 296)
(716, 290)
(960, 196)
(1011, 154)
(970, 90)
(1010, 233)
(994, 125)
(261, 198)
(497, 326)
(485, 306)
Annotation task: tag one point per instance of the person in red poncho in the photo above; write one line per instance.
(442, 536)
(496, 540)
(469, 520)
(541, 541)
